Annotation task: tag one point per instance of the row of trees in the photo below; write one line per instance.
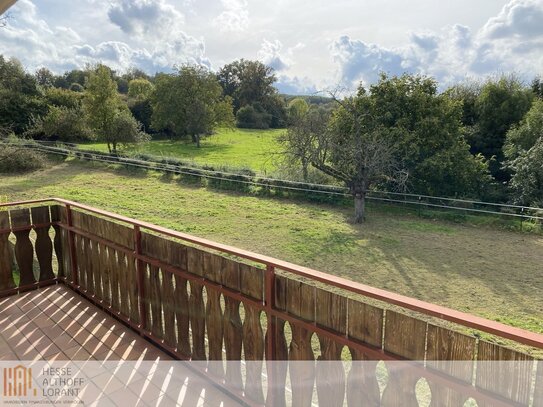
(483, 141)
(480, 140)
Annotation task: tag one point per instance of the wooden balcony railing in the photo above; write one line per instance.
(205, 301)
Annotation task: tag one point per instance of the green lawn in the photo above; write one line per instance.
(235, 148)
(485, 271)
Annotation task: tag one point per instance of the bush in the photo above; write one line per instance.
(14, 159)
(253, 117)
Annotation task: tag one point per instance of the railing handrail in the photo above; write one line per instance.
(433, 310)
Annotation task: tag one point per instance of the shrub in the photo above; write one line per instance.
(253, 117)
(14, 159)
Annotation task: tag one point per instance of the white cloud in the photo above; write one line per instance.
(234, 17)
(359, 61)
(154, 18)
(518, 18)
(60, 48)
(270, 54)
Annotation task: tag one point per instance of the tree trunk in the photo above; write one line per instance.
(109, 147)
(197, 141)
(359, 207)
(304, 170)
(114, 148)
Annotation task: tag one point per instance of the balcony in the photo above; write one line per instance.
(79, 283)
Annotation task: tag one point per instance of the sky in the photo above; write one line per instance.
(313, 45)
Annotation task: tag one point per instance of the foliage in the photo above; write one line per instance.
(524, 136)
(20, 97)
(190, 103)
(15, 159)
(297, 108)
(537, 87)
(500, 105)
(63, 98)
(298, 141)
(140, 89)
(253, 117)
(61, 123)
(250, 83)
(143, 112)
(70, 77)
(124, 130)
(45, 78)
(106, 113)
(527, 179)
(425, 128)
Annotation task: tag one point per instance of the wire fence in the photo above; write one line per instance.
(419, 201)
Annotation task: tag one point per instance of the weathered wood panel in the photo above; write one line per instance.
(168, 306)
(133, 289)
(252, 281)
(276, 395)
(113, 279)
(510, 378)
(106, 265)
(24, 251)
(124, 291)
(365, 323)
(114, 232)
(301, 303)
(233, 329)
(214, 314)
(406, 337)
(155, 298)
(538, 389)
(6, 260)
(252, 284)
(451, 353)
(182, 316)
(61, 250)
(62, 246)
(43, 244)
(331, 313)
(197, 313)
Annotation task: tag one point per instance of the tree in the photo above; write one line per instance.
(125, 129)
(250, 83)
(190, 103)
(300, 136)
(45, 77)
(61, 123)
(500, 105)
(523, 136)
(427, 131)
(106, 112)
(63, 97)
(537, 87)
(140, 89)
(527, 180)
(297, 108)
(20, 97)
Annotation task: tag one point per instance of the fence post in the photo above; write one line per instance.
(71, 243)
(139, 278)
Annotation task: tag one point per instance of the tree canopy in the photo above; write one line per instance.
(190, 103)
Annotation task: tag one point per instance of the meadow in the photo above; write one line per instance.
(240, 148)
(482, 270)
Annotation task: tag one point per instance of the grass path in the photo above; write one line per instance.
(242, 148)
(492, 273)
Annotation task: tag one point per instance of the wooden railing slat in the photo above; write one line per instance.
(6, 258)
(24, 251)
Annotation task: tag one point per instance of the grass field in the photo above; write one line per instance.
(241, 148)
(481, 270)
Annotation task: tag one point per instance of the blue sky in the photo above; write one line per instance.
(313, 45)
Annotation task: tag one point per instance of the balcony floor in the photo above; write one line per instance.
(57, 324)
